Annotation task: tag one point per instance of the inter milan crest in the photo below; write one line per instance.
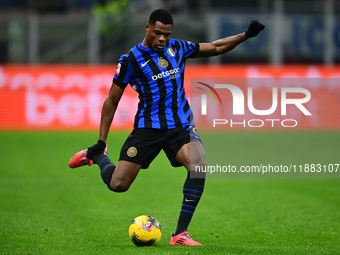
(131, 152)
(163, 63)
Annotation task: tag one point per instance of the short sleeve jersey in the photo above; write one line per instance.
(158, 77)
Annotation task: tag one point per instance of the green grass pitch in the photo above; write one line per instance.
(48, 208)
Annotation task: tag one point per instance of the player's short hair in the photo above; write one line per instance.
(162, 16)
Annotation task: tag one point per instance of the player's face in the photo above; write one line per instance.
(157, 35)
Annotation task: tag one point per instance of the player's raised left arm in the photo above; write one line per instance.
(226, 44)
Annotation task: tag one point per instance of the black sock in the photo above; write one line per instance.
(106, 168)
(192, 192)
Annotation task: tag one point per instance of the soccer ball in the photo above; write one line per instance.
(145, 230)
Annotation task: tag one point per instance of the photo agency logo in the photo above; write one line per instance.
(232, 103)
(221, 105)
(204, 97)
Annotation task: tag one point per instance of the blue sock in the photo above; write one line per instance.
(106, 168)
(192, 192)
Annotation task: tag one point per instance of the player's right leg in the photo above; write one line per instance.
(80, 159)
(138, 151)
(123, 176)
(117, 178)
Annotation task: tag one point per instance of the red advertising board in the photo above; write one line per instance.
(70, 97)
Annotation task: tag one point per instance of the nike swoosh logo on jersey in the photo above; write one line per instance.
(187, 200)
(143, 64)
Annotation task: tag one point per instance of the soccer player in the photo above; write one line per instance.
(154, 68)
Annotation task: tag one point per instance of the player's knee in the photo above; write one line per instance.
(119, 186)
(200, 162)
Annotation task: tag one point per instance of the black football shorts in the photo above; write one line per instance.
(144, 144)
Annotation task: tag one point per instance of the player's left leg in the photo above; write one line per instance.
(190, 155)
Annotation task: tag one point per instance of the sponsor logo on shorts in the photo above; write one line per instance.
(193, 129)
(131, 152)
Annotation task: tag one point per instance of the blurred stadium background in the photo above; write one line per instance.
(57, 60)
(57, 57)
(98, 31)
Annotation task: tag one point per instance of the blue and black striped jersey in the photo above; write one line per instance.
(158, 77)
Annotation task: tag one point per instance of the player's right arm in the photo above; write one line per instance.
(108, 111)
(121, 78)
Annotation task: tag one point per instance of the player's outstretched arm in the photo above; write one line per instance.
(226, 44)
(108, 111)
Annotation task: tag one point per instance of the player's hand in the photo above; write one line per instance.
(254, 28)
(95, 149)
